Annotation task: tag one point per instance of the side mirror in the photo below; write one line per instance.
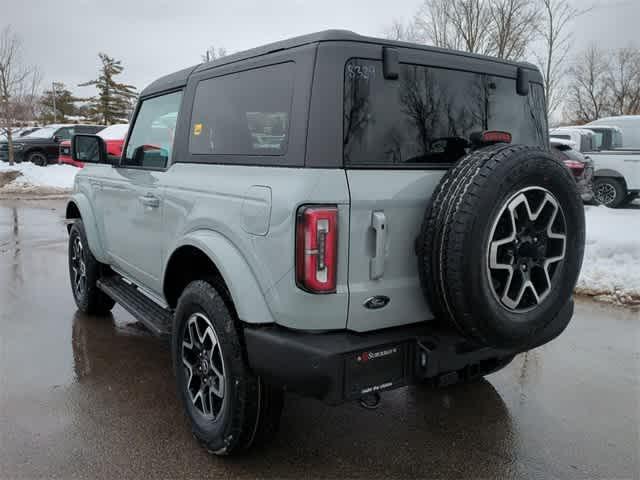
(88, 149)
(56, 139)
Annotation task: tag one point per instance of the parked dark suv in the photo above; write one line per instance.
(334, 215)
(42, 145)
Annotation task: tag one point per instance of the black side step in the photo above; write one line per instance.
(145, 310)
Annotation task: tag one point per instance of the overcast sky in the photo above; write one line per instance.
(155, 37)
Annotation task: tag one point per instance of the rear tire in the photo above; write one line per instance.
(230, 409)
(523, 204)
(84, 273)
(609, 191)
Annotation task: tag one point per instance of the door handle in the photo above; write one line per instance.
(149, 200)
(379, 225)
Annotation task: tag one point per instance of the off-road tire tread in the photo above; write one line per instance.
(448, 218)
(96, 302)
(256, 407)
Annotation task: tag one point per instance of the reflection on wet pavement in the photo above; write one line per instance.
(94, 397)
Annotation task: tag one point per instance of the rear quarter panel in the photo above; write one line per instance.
(230, 201)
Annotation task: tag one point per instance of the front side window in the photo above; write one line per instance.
(245, 113)
(64, 133)
(598, 139)
(616, 139)
(426, 116)
(151, 140)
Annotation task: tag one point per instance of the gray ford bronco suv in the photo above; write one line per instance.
(333, 215)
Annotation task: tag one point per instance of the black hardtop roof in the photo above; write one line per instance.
(179, 79)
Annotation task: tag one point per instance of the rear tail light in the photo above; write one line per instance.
(489, 137)
(495, 136)
(317, 248)
(576, 167)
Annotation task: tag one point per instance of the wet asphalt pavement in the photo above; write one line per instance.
(91, 397)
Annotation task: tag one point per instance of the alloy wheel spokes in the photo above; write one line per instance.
(527, 243)
(78, 267)
(204, 366)
(606, 193)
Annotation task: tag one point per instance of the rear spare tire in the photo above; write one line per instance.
(502, 243)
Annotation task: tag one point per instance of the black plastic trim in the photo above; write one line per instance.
(316, 364)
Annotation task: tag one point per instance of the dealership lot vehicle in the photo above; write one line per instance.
(584, 140)
(41, 145)
(617, 167)
(616, 164)
(581, 166)
(629, 126)
(113, 136)
(334, 214)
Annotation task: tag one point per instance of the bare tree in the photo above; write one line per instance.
(588, 97)
(503, 28)
(432, 23)
(623, 81)
(18, 85)
(515, 25)
(212, 53)
(556, 18)
(408, 32)
(471, 20)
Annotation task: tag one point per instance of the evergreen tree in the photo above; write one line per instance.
(64, 101)
(114, 100)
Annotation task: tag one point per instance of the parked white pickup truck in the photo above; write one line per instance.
(616, 178)
(617, 169)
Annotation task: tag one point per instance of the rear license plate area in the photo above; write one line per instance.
(375, 370)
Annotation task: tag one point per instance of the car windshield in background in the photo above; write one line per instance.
(427, 116)
(44, 132)
(114, 132)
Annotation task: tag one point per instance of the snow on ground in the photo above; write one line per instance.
(35, 179)
(611, 267)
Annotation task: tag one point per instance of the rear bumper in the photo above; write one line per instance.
(340, 366)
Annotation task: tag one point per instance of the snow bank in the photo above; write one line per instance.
(32, 178)
(611, 268)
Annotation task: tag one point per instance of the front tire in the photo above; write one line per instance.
(84, 273)
(609, 192)
(38, 158)
(230, 409)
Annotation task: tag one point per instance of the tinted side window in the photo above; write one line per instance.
(426, 117)
(245, 113)
(64, 133)
(151, 141)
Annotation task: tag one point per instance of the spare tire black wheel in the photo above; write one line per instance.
(502, 243)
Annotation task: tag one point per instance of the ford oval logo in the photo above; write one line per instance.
(376, 302)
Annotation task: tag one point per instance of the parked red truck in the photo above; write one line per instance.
(113, 136)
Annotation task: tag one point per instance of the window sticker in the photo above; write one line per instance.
(197, 129)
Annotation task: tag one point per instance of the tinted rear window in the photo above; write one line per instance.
(245, 113)
(425, 118)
